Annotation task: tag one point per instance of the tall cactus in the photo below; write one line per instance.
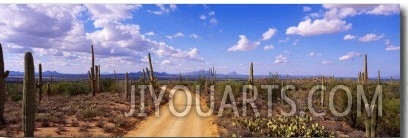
(29, 106)
(251, 78)
(379, 78)
(3, 75)
(93, 73)
(251, 74)
(370, 121)
(359, 78)
(143, 77)
(48, 89)
(114, 74)
(365, 69)
(126, 85)
(152, 79)
(180, 78)
(39, 83)
(98, 79)
(322, 95)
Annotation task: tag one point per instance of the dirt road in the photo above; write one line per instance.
(167, 124)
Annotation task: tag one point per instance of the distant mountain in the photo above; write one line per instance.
(16, 73)
(234, 73)
(49, 73)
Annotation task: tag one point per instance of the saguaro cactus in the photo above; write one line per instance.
(322, 95)
(251, 74)
(370, 121)
(39, 83)
(180, 78)
(379, 78)
(48, 89)
(212, 75)
(152, 78)
(365, 69)
(142, 78)
(114, 74)
(3, 75)
(126, 85)
(359, 78)
(93, 73)
(251, 78)
(29, 106)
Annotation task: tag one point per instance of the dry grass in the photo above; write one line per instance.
(81, 115)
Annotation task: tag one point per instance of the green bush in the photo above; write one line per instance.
(389, 123)
(16, 96)
(107, 83)
(71, 88)
(298, 126)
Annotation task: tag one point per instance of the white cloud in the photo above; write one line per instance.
(212, 13)
(370, 37)
(392, 48)
(318, 27)
(374, 9)
(195, 36)
(326, 62)
(269, 47)
(111, 11)
(333, 18)
(349, 37)
(213, 21)
(150, 33)
(306, 8)
(312, 54)
(284, 40)
(385, 9)
(164, 9)
(23, 25)
(203, 17)
(244, 44)
(166, 62)
(281, 59)
(350, 56)
(64, 38)
(176, 35)
(164, 50)
(179, 34)
(210, 17)
(269, 33)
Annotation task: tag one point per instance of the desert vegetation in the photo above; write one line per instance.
(96, 106)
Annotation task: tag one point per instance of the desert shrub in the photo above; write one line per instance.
(389, 123)
(100, 124)
(60, 129)
(84, 127)
(109, 129)
(45, 119)
(236, 87)
(16, 96)
(87, 113)
(14, 118)
(71, 88)
(107, 83)
(122, 122)
(298, 126)
(75, 123)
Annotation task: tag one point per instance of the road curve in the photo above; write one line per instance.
(169, 125)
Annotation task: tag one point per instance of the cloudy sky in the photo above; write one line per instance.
(288, 39)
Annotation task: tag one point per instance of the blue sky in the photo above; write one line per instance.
(288, 39)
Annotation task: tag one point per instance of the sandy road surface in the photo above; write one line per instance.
(167, 124)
